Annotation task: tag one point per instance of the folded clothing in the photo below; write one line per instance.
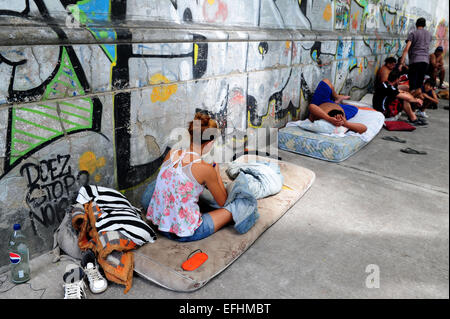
(118, 213)
(264, 178)
(398, 126)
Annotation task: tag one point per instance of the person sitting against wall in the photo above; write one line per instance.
(389, 100)
(325, 104)
(436, 66)
(182, 178)
(390, 64)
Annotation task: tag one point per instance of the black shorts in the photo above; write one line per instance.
(416, 74)
(393, 108)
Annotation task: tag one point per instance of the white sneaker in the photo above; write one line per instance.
(74, 287)
(97, 283)
(422, 114)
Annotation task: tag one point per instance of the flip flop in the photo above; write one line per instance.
(409, 150)
(393, 139)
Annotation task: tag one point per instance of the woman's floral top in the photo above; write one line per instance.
(173, 207)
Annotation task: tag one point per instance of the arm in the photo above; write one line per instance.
(408, 97)
(317, 114)
(440, 61)
(432, 98)
(433, 61)
(355, 127)
(384, 74)
(214, 182)
(405, 51)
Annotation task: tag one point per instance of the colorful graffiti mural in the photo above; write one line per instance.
(96, 100)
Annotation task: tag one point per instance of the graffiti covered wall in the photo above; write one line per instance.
(91, 90)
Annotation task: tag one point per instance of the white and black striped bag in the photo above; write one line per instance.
(117, 214)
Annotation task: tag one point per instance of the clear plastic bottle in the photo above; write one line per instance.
(19, 256)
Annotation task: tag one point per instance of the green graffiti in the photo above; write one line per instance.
(34, 125)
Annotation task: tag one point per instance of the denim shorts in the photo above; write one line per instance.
(205, 229)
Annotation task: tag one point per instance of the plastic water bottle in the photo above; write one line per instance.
(19, 256)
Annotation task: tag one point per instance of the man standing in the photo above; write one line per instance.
(418, 49)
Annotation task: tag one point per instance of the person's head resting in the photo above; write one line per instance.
(421, 23)
(202, 130)
(439, 50)
(390, 62)
(428, 84)
(394, 76)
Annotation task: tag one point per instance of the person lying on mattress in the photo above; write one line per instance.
(183, 175)
(325, 104)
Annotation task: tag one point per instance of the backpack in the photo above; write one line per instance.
(65, 238)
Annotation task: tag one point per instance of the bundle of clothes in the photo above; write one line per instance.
(251, 181)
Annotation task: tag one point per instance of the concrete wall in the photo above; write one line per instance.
(91, 90)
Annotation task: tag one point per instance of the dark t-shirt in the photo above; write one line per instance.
(384, 95)
(420, 46)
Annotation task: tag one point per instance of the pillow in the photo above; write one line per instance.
(398, 126)
(322, 126)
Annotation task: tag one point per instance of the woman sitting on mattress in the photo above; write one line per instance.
(325, 105)
(183, 175)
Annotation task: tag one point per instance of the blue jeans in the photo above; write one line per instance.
(205, 229)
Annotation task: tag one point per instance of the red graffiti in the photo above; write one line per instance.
(215, 10)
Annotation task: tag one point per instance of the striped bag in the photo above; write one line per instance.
(117, 214)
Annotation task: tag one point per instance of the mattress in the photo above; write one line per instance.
(160, 262)
(331, 148)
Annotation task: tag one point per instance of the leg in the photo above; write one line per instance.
(441, 76)
(220, 218)
(336, 97)
(408, 109)
(415, 77)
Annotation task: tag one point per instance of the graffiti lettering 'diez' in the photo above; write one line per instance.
(49, 186)
(32, 128)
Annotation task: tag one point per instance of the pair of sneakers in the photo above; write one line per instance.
(74, 278)
(422, 114)
(420, 121)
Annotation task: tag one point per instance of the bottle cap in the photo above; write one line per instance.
(16, 226)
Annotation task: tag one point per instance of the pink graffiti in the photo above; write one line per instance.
(441, 35)
(215, 10)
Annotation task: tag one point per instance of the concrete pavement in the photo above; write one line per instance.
(380, 211)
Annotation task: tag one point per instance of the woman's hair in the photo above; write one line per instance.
(206, 122)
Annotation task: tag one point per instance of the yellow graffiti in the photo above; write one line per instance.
(161, 93)
(90, 163)
(211, 2)
(195, 53)
(327, 13)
